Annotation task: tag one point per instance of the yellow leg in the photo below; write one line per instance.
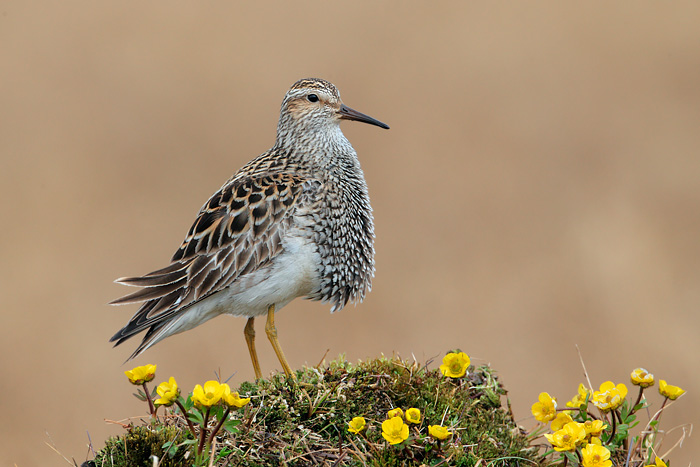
(271, 331)
(249, 333)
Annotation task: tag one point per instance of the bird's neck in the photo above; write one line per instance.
(321, 148)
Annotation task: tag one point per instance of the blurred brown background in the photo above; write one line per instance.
(539, 189)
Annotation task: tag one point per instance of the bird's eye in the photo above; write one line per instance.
(312, 98)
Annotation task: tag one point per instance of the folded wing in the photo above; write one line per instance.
(237, 231)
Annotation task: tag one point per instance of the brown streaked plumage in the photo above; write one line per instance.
(294, 222)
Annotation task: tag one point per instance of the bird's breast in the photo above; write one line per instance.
(343, 233)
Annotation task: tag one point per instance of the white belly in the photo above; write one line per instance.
(291, 274)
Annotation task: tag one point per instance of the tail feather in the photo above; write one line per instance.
(150, 293)
(152, 281)
(165, 296)
(149, 339)
(135, 324)
(176, 266)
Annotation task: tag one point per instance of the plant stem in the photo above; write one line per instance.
(639, 398)
(614, 426)
(656, 418)
(203, 432)
(184, 414)
(661, 410)
(151, 407)
(218, 426)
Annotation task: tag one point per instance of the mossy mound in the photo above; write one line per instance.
(305, 422)
(138, 446)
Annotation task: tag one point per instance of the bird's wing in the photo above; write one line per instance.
(236, 232)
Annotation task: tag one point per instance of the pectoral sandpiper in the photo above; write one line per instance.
(294, 222)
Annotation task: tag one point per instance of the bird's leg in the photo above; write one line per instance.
(271, 331)
(249, 333)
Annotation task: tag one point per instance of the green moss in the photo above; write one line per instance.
(305, 422)
(139, 444)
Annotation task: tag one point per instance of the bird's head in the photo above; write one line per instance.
(314, 104)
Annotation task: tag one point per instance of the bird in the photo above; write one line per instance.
(296, 221)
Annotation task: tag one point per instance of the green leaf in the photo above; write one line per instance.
(196, 416)
(624, 410)
(223, 453)
(170, 448)
(230, 426)
(187, 403)
(217, 411)
(582, 412)
(622, 433)
(587, 400)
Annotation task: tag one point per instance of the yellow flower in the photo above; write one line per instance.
(546, 409)
(439, 432)
(562, 419)
(413, 415)
(454, 365)
(208, 395)
(610, 397)
(672, 392)
(594, 427)
(232, 398)
(394, 430)
(609, 385)
(642, 377)
(397, 412)
(580, 398)
(568, 437)
(141, 374)
(356, 425)
(596, 456)
(657, 462)
(168, 392)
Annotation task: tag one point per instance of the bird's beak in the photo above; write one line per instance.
(346, 113)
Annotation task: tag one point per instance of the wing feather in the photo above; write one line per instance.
(237, 231)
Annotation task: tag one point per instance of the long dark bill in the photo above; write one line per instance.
(346, 113)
